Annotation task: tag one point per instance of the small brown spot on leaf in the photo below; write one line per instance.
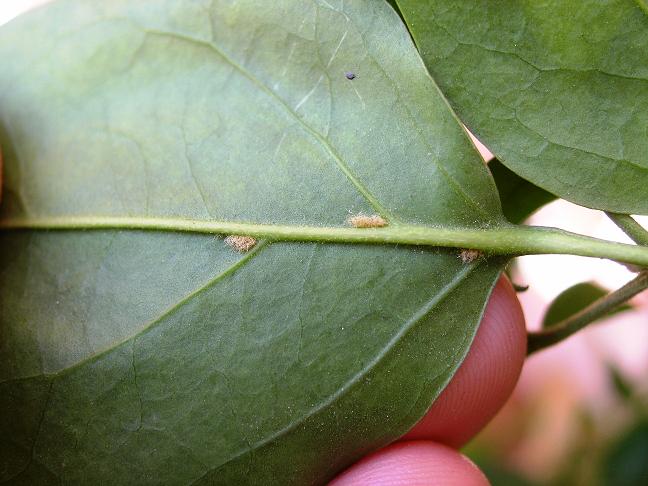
(240, 243)
(366, 221)
(468, 255)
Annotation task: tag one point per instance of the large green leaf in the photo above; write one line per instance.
(150, 357)
(557, 90)
(573, 300)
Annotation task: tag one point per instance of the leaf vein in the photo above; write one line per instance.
(151, 324)
(423, 311)
(343, 166)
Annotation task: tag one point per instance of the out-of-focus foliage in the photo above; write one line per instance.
(575, 299)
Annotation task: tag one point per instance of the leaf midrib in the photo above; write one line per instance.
(503, 239)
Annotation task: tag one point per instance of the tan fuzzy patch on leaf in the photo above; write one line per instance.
(468, 256)
(366, 221)
(240, 243)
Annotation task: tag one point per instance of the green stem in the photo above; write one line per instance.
(601, 307)
(630, 227)
(504, 240)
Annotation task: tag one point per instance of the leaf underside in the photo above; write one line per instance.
(144, 357)
(574, 299)
(558, 91)
(519, 198)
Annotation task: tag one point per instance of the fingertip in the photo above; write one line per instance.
(486, 378)
(417, 463)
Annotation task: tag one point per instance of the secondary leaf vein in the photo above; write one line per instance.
(342, 165)
(423, 311)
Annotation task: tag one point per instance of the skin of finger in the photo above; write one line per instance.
(486, 378)
(414, 463)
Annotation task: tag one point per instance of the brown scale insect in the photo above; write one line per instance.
(468, 255)
(240, 243)
(366, 221)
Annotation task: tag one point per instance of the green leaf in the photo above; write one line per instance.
(394, 5)
(558, 91)
(520, 199)
(500, 475)
(162, 356)
(625, 464)
(575, 299)
(622, 387)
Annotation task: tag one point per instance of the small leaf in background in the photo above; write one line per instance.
(626, 463)
(621, 386)
(520, 199)
(557, 90)
(575, 299)
(627, 392)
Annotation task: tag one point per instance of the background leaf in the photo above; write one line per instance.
(133, 357)
(520, 199)
(625, 464)
(557, 91)
(573, 300)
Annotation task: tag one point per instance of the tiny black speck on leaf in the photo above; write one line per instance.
(349, 75)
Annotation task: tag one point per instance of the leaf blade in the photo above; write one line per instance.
(554, 101)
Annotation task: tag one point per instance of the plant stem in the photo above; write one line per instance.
(509, 240)
(630, 227)
(601, 307)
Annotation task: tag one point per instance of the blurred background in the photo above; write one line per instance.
(579, 415)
